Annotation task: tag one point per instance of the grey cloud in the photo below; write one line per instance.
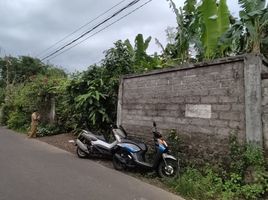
(30, 26)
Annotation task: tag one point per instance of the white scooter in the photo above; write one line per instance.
(92, 145)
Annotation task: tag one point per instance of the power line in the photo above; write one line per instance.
(75, 31)
(92, 29)
(101, 29)
(87, 32)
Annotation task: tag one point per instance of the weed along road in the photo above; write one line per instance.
(33, 170)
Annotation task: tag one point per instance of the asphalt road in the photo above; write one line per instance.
(33, 170)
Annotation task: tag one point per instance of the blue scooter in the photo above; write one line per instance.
(129, 154)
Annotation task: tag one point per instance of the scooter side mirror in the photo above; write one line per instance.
(113, 126)
(85, 125)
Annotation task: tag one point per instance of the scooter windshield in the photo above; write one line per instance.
(119, 132)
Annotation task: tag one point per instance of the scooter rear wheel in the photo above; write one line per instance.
(168, 169)
(80, 153)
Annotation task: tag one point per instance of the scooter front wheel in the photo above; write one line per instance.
(118, 165)
(168, 169)
(119, 160)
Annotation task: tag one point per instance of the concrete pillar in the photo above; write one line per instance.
(265, 109)
(52, 111)
(120, 103)
(253, 99)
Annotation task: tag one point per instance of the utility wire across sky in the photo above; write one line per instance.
(94, 28)
(80, 28)
(132, 3)
(101, 29)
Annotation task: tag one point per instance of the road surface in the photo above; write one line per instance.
(33, 170)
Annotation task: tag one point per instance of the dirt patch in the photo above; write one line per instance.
(62, 141)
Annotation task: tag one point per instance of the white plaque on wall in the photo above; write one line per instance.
(198, 111)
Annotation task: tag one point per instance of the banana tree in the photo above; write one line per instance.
(141, 47)
(141, 59)
(200, 26)
(215, 19)
(179, 51)
(249, 33)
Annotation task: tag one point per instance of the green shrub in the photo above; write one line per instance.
(254, 156)
(196, 184)
(4, 113)
(175, 146)
(174, 142)
(47, 130)
(2, 95)
(252, 191)
(248, 162)
(236, 159)
(18, 121)
(244, 176)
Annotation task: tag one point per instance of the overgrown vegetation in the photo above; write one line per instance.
(28, 85)
(87, 98)
(243, 175)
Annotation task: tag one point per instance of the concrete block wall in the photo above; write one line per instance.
(203, 103)
(265, 111)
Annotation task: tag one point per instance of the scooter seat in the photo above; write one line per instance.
(142, 146)
(100, 137)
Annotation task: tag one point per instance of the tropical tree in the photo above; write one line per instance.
(141, 60)
(118, 59)
(199, 28)
(215, 21)
(84, 101)
(180, 50)
(141, 47)
(17, 70)
(21, 99)
(249, 32)
(90, 97)
(25, 85)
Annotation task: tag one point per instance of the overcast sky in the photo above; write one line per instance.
(27, 27)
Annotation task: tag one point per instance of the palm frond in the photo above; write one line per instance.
(251, 5)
